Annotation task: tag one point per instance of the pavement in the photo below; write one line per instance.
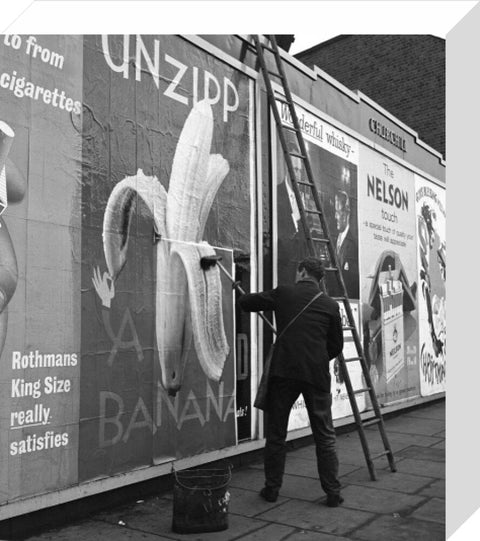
(408, 504)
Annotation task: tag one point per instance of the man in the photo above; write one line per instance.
(300, 364)
(346, 246)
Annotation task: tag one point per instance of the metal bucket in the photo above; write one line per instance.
(200, 500)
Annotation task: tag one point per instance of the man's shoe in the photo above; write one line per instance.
(269, 494)
(333, 500)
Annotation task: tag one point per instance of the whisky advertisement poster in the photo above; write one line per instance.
(333, 157)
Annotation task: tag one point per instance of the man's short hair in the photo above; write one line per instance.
(343, 199)
(313, 266)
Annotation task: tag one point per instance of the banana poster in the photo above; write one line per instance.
(166, 183)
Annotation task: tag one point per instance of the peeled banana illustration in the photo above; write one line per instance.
(188, 300)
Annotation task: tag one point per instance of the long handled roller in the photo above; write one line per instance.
(207, 262)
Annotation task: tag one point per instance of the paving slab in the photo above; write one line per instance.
(306, 467)
(376, 500)
(436, 489)
(423, 453)
(294, 486)
(92, 529)
(429, 412)
(270, 532)
(248, 503)
(155, 517)
(421, 467)
(400, 529)
(388, 480)
(317, 517)
(355, 457)
(306, 535)
(410, 425)
(433, 509)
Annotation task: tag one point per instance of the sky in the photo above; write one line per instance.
(312, 21)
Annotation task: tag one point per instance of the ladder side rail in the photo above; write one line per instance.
(332, 253)
(357, 416)
(278, 122)
(306, 161)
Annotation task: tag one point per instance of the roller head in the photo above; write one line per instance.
(209, 261)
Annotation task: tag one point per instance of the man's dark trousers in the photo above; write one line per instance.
(282, 394)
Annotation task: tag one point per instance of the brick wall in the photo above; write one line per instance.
(405, 74)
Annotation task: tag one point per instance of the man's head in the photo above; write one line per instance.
(342, 210)
(310, 267)
(297, 167)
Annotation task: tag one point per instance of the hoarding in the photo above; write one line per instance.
(388, 270)
(333, 156)
(120, 176)
(432, 275)
(41, 93)
(163, 186)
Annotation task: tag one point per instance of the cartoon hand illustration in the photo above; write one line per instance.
(104, 289)
(188, 299)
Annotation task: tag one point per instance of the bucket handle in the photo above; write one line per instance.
(174, 472)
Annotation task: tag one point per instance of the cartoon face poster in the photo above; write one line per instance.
(431, 239)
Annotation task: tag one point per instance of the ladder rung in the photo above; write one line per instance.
(268, 48)
(363, 390)
(291, 128)
(341, 299)
(318, 239)
(298, 155)
(352, 359)
(348, 328)
(317, 212)
(302, 183)
(379, 455)
(331, 269)
(371, 422)
(275, 74)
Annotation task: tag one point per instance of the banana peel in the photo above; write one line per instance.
(188, 300)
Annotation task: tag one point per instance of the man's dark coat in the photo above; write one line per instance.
(304, 351)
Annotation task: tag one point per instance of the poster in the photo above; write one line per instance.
(388, 270)
(333, 156)
(432, 275)
(163, 187)
(40, 174)
(118, 177)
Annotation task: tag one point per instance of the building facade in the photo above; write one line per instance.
(405, 74)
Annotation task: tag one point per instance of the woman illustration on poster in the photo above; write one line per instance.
(12, 190)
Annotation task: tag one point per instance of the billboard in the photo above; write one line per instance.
(40, 106)
(388, 270)
(334, 158)
(432, 275)
(163, 186)
(125, 161)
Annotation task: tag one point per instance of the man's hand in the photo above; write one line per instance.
(104, 289)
